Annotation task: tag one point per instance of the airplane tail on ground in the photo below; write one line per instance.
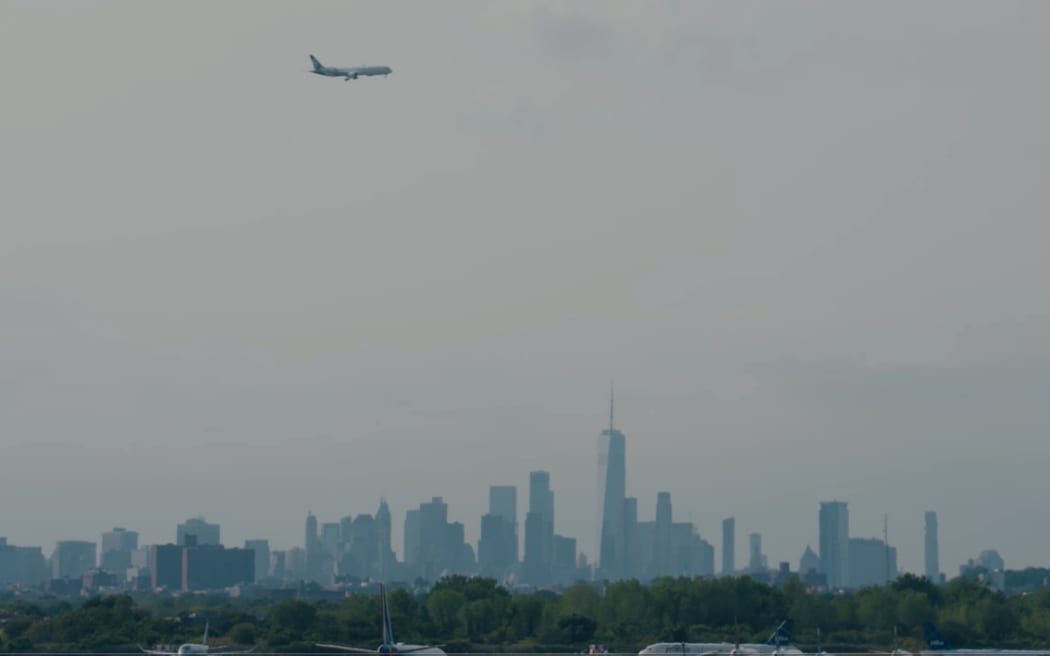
(205, 640)
(782, 636)
(933, 637)
(317, 65)
(388, 629)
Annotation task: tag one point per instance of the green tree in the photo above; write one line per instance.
(292, 618)
(443, 608)
(914, 608)
(242, 634)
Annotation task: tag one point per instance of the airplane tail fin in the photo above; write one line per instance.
(933, 637)
(317, 65)
(782, 635)
(388, 630)
(205, 640)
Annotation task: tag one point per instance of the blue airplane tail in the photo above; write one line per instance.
(317, 65)
(933, 637)
(782, 635)
(388, 629)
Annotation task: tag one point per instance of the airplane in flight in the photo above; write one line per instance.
(348, 73)
(201, 647)
(779, 643)
(389, 646)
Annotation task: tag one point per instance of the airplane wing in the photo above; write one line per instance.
(356, 650)
(157, 652)
(420, 648)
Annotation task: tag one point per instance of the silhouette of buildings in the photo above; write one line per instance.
(213, 567)
(166, 567)
(72, 558)
(204, 532)
(932, 559)
(756, 561)
(728, 546)
(631, 547)
(24, 565)
(612, 481)
(809, 563)
(989, 567)
(834, 543)
(498, 546)
(871, 562)
(660, 563)
(539, 528)
(261, 549)
(117, 546)
(317, 564)
(190, 567)
(433, 545)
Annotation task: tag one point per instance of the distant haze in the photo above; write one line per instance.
(807, 240)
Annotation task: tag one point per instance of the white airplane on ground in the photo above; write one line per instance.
(778, 643)
(389, 646)
(348, 73)
(201, 647)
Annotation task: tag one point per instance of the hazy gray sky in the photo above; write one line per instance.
(807, 240)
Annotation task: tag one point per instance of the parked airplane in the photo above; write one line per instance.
(348, 73)
(195, 648)
(936, 646)
(389, 646)
(779, 643)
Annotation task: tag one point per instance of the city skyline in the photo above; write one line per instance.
(806, 241)
(360, 547)
(833, 538)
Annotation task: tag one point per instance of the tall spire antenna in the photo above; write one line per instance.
(612, 398)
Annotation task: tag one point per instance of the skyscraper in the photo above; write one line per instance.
(728, 546)
(206, 533)
(834, 543)
(411, 537)
(631, 547)
(71, 558)
(117, 546)
(503, 502)
(809, 562)
(871, 562)
(261, 551)
(933, 560)
(361, 551)
(332, 539)
(539, 527)
(493, 546)
(612, 482)
(311, 542)
(316, 566)
(386, 550)
(755, 561)
(662, 563)
(435, 552)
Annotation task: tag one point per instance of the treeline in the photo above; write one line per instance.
(475, 614)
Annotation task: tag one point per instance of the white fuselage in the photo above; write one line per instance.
(192, 648)
(353, 73)
(412, 649)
